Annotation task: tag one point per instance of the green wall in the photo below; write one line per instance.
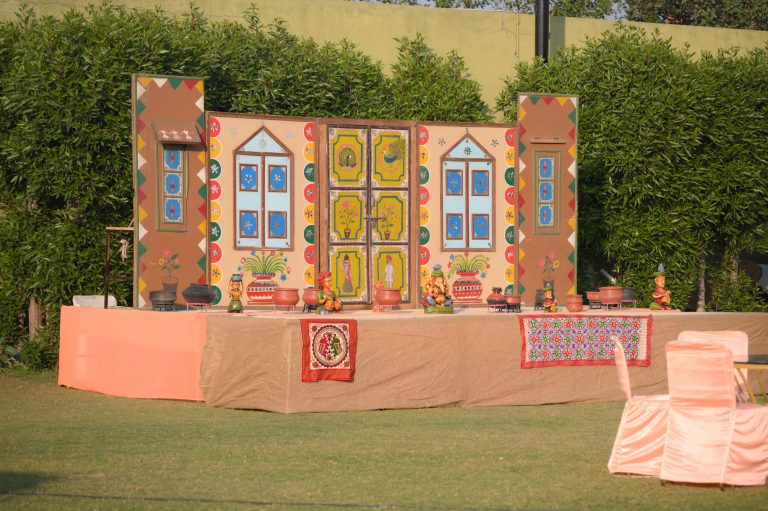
(490, 42)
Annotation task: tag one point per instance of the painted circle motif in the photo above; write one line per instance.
(509, 273)
(509, 176)
(215, 231)
(309, 254)
(215, 274)
(423, 135)
(309, 151)
(509, 290)
(309, 193)
(309, 275)
(216, 295)
(509, 195)
(309, 131)
(323, 349)
(215, 253)
(423, 235)
(309, 234)
(509, 215)
(424, 273)
(423, 195)
(423, 215)
(423, 255)
(309, 172)
(214, 188)
(215, 169)
(509, 156)
(423, 155)
(509, 235)
(214, 127)
(509, 137)
(423, 175)
(509, 254)
(215, 211)
(309, 213)
(215, 147)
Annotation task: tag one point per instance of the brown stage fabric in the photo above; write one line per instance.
(411, 360)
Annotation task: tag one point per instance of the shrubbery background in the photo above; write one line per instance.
(672, 148)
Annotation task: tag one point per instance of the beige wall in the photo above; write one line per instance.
(490, 42)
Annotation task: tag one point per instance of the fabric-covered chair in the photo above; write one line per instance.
(711, 438)
(639, 443)
(736, 340)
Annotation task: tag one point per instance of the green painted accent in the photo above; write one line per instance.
(509, 176)
(572, 257)
(203, 263)
(520, 148)
(574, 116)
(534, 99)
(139, 107)
(521, 288)
(201, 121)
(509, 235)
(142, 250)
(423, 175)
(423, 235)
(175, 82)
(140, 179)
(522, 218)
(309, 172)
(203, 191)
(216, 295)
(215, 231)
(214, 169)
(438, 310)
(509, 290)
(572, 186)
(309, 234)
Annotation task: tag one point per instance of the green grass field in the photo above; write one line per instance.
(69, 449)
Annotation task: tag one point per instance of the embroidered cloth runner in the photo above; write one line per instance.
(580, 340)
(328, 349)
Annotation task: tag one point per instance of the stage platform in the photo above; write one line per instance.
(405, 359)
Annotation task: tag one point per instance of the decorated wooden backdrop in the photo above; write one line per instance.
(546, 238)
(171, 201)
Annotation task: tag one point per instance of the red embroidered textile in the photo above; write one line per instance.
(328, 349)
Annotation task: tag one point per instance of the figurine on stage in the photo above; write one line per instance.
(235, 290)
(549, 304)
(327, 299)
(661, 297)
(435, 297)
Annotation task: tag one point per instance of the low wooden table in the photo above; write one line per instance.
(753, 363)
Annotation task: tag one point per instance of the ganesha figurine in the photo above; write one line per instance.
(435, 298)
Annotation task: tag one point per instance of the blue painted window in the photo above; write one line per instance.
(172, 188)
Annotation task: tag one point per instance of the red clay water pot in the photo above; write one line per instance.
(513, 299)
(285, 296)
(593, 296)
(574, 303)
(310, 296)
(611, 295)
(387, 296)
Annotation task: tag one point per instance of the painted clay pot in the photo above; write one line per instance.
(611, 295)
(310, 296)
(574, 303)
(286, 296)
(496, 298)
(513, 299)
(387, 296)
(198, 293)
(467, 288)
(593, 296)
(261, 289)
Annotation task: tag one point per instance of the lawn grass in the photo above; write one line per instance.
(69, 449)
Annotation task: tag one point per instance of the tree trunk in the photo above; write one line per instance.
(35, 317)
(702, 301)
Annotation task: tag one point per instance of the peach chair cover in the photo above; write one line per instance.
(711, 439)
(639, 443)
(736, 340)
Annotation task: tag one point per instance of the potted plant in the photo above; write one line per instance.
(264, 267)
(168, 263)
(549, 264)
(345, 215)
(467, 288)
(389, 220)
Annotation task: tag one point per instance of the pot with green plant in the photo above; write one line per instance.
(263, 268)
(168, 263)
(467, 288)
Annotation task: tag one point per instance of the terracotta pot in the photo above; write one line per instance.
(285, 296)
(496, 298)
(611, 295)
(593, 296)
(387, 296)
(574, 303)
(513, 299)
(310, 296)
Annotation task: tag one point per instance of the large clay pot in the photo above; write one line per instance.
(387, 296)
(310, 296)
(593, 296)
(467, 288)
(611, 295)
(198, 294)
(574, 303)
(285, 296)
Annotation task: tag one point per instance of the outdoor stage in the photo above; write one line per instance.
(405, 359)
